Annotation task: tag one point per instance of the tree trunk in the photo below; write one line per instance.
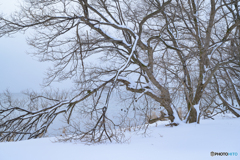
(192, 116)
(170, 113)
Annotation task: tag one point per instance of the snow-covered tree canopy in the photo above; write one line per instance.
(178, 53)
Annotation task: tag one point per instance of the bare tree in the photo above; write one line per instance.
(168, 51)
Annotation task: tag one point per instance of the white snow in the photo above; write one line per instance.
(184, 142)
(215, 47)
(129, 58)
(196, 106)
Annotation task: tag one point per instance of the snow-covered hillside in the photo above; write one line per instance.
(184, 142)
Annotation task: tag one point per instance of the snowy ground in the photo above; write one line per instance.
(185, 142)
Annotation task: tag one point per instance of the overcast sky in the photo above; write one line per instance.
(18, 70)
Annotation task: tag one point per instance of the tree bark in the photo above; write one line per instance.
(192, 115)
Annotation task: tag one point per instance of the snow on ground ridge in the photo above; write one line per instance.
(186, 141)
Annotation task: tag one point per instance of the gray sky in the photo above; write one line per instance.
(18, 70)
